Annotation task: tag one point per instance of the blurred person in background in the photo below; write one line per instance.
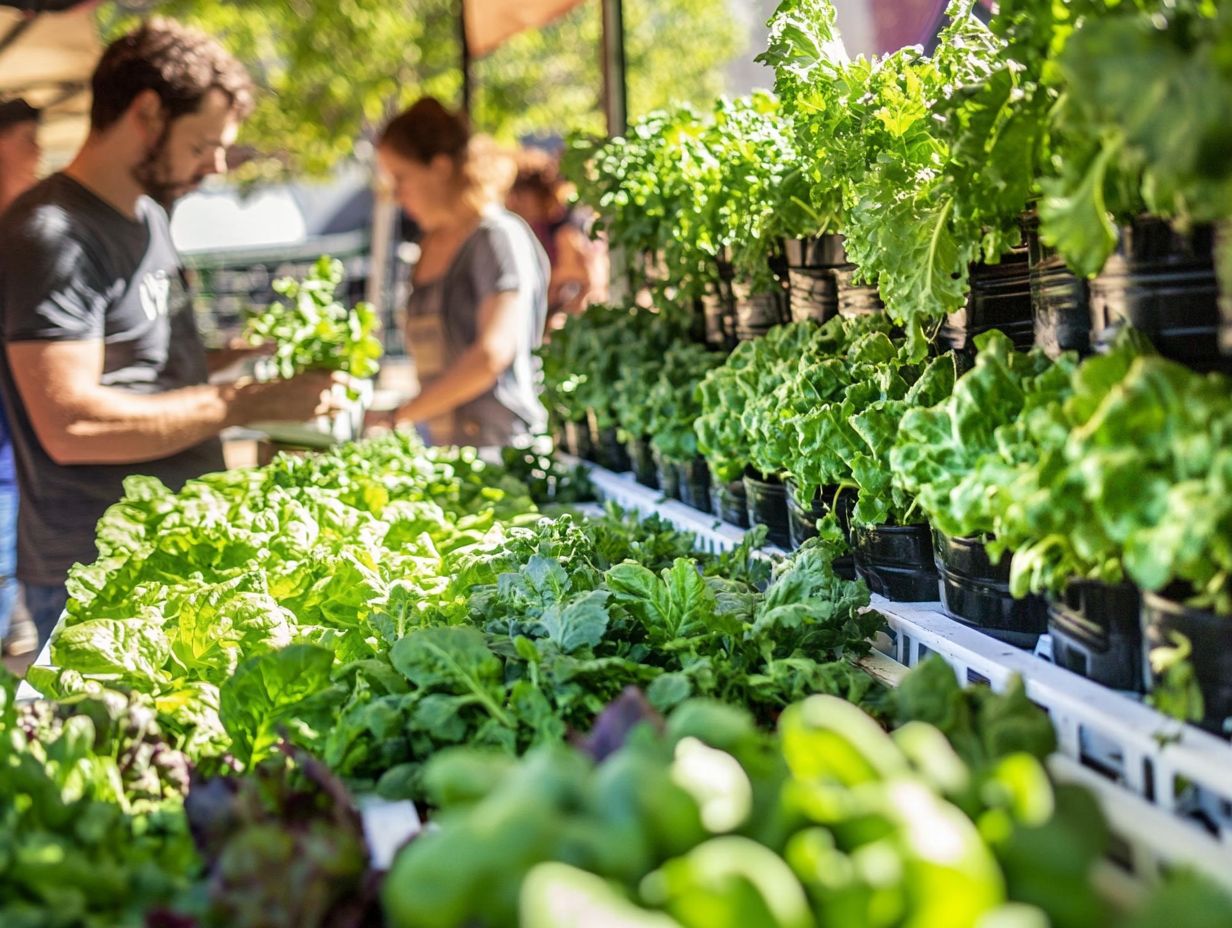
(103, 373)
(19, 163)
(579, 263)
(478, 302)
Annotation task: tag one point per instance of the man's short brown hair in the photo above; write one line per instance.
(180, 64)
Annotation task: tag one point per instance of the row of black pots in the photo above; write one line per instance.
(821, 283)
(1103, 632)
(814, 284)
(1161, 280)
(894, 561)
(1107, 632)
(1094, 627)
(686, 481)
(732, 311)
(1000, 297)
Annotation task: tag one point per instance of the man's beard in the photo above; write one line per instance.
(151, 174)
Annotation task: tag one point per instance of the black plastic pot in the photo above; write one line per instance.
(814, 294)
(802, 521)
(728, 501)
(577, 439)
(1059, 298)
(1211, 638)
(694, 479)
(1162, 282)
(767, 505)
(818, 251)
(802, 518)
(608, 450)
(810, 274)
(758, 312)
(643, 462)
(896, 561)
(1000, 298)
(1096, 632)
(667, 474)
(716, 319)
(853, 300)
(976, 592)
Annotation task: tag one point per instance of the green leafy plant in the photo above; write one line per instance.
(959, 458)
(598, 363)
(313, 331)
(734, 430)
(673, 402)
(91, 825)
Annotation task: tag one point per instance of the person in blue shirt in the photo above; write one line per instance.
(19, 161)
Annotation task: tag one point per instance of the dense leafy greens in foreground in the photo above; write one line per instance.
(90, 829)
(544, 632)
(245, 563)
(713, 823)
(329, 602)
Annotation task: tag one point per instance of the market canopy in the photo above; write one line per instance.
(489, 23)
(47, 58)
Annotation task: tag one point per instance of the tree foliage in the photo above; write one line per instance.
(330, 73)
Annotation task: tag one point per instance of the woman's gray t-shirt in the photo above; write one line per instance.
(502, 255)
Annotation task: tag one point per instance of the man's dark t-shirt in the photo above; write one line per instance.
(73, 268)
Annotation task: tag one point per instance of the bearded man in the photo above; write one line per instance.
(102, 371)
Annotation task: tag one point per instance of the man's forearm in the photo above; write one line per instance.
(79, 421)
(116, 427)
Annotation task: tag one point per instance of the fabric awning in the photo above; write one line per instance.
(48, 60)
(489, 23)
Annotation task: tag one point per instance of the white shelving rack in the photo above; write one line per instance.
(1165, 787)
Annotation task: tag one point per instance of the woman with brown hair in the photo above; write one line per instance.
(479, 290)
